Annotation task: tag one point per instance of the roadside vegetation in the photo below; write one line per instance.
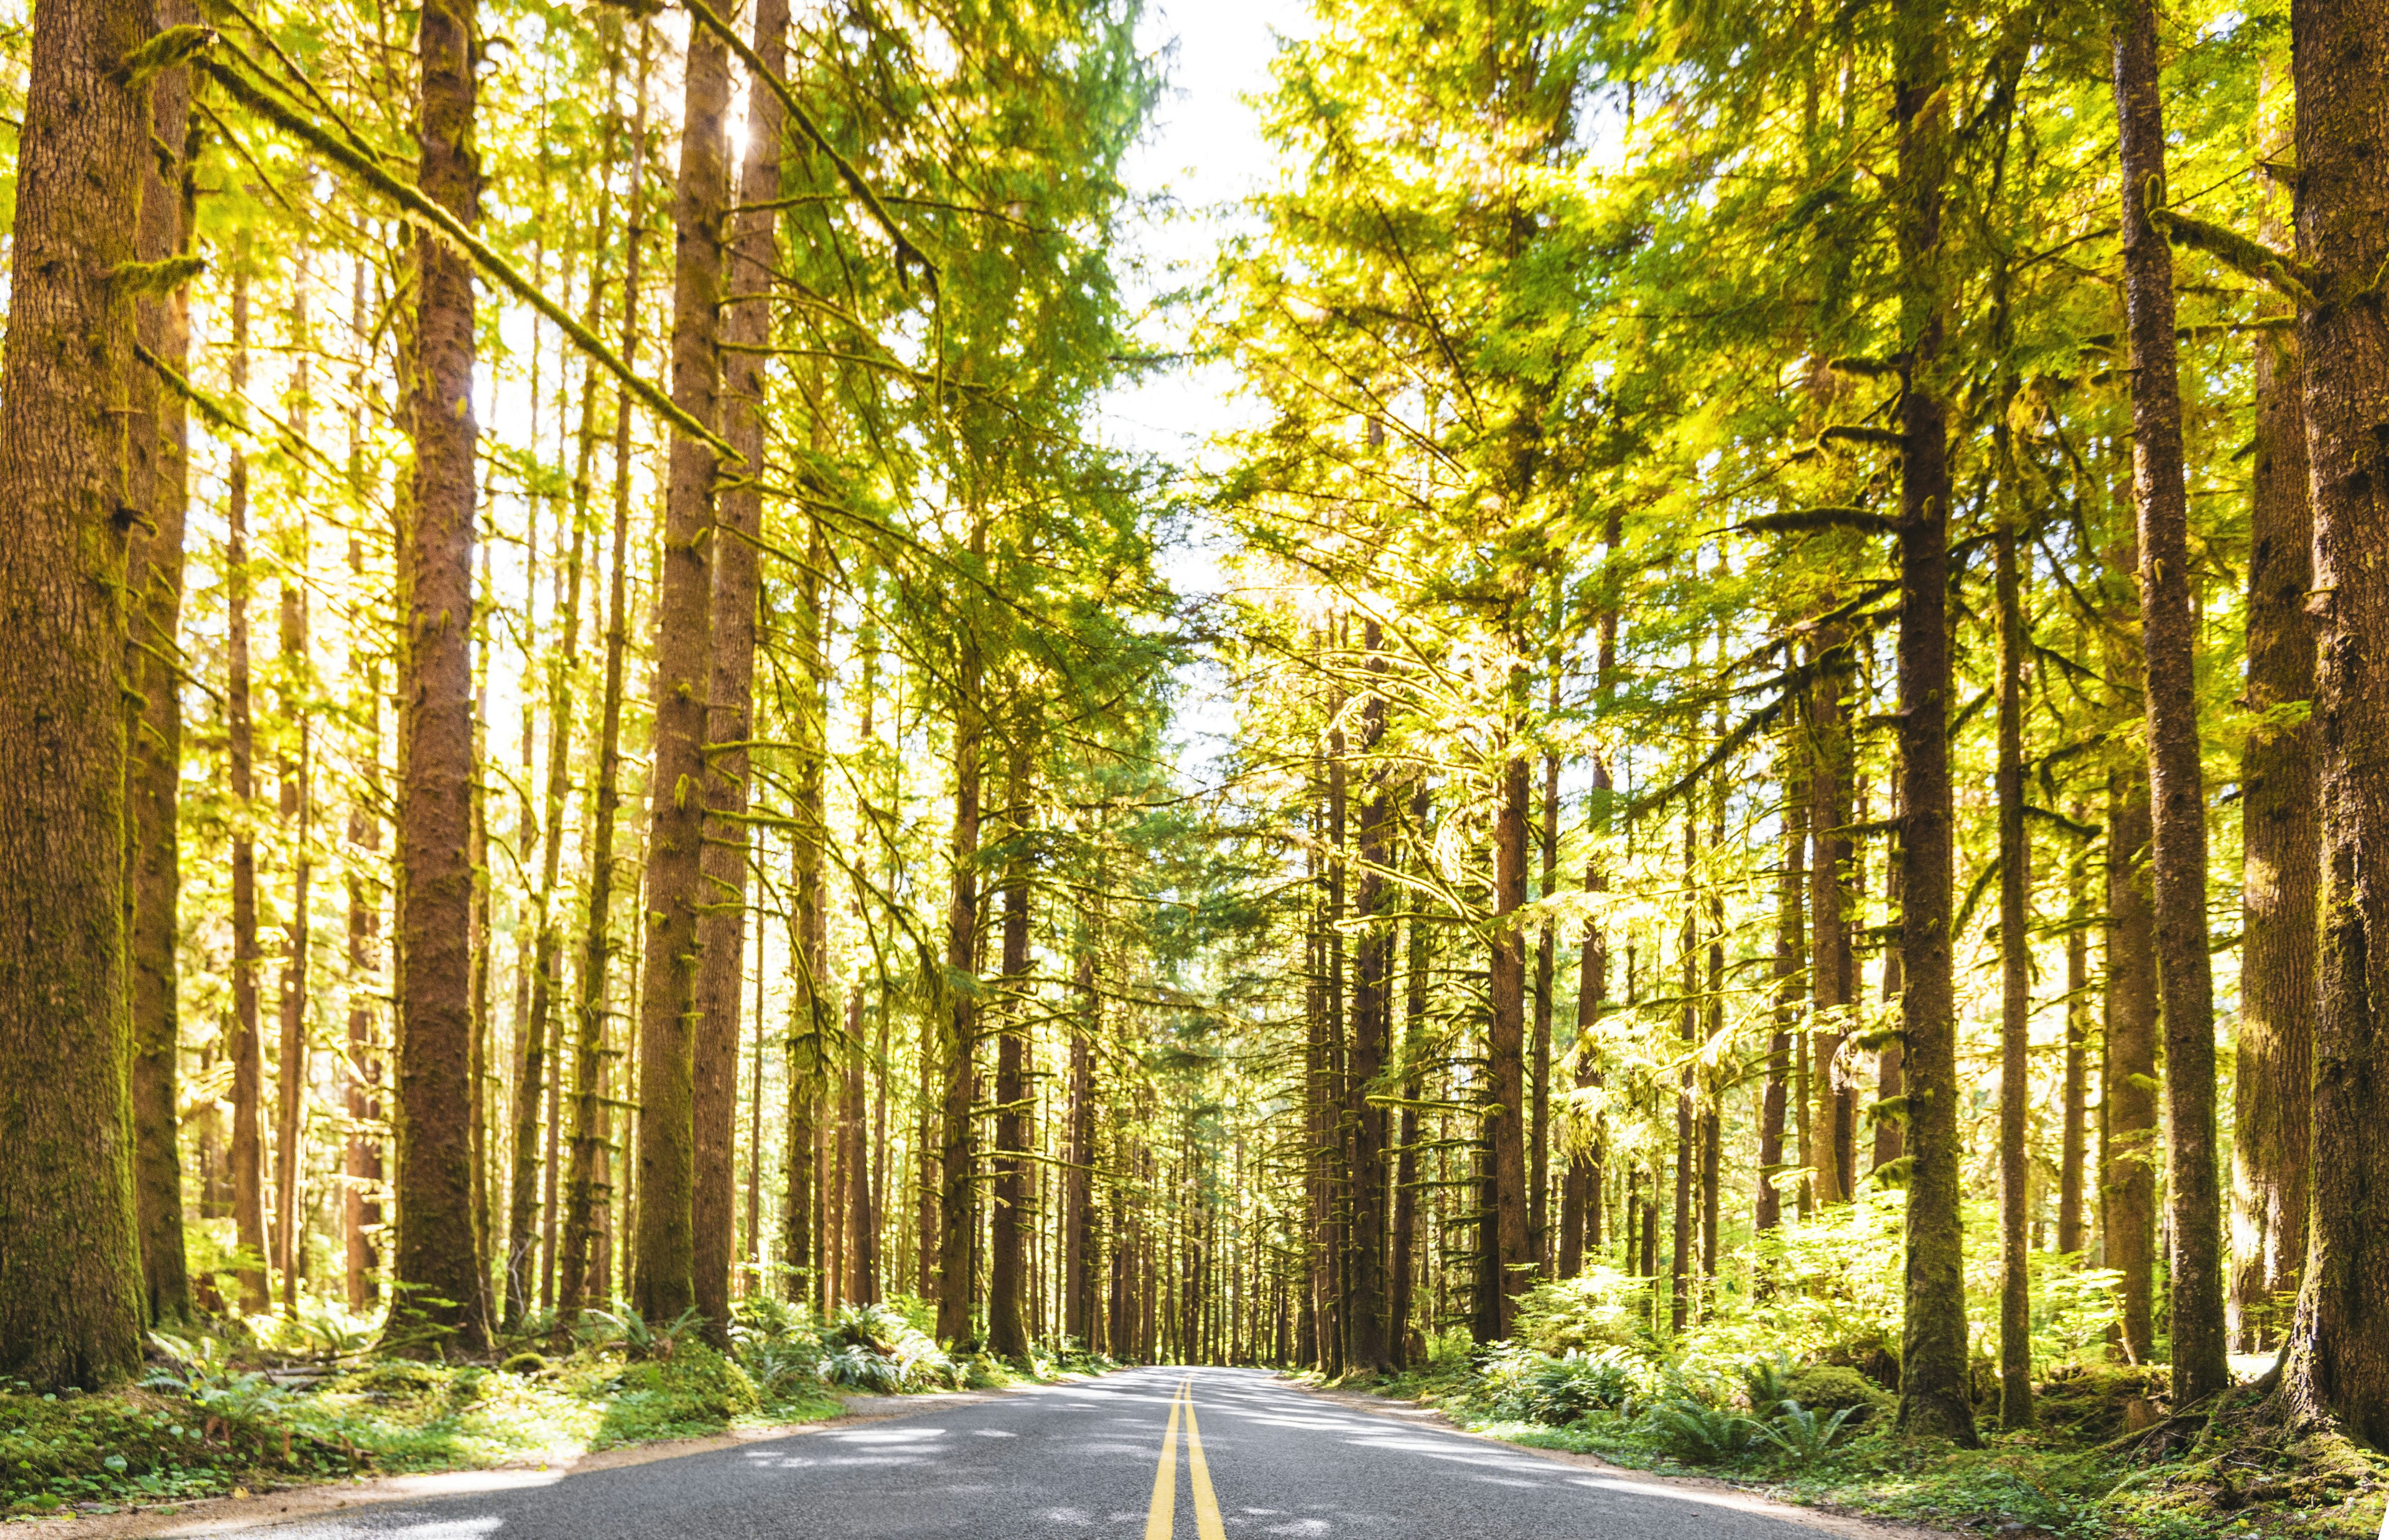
(287, 1400)
(1784, 1384)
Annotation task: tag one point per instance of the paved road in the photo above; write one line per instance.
(1245, 1456)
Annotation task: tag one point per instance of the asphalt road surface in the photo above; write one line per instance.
(1162, 1454)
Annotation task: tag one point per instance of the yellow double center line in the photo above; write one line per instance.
(1161, 1518)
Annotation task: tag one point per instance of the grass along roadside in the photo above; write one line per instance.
(2065, 1481)
(239, 1412)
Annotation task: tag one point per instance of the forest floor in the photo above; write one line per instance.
(2051, 1483)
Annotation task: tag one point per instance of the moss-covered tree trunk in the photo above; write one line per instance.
(747, 327)
(244, 1047)
(1082, 1238)
(1832, 970)
(1371, 1317)
(2176, 786)
(292, 775)
(1539, 1050)
(1791, 880)
(1505, 1044)
(157, 483)
(1933, 1380)
(957, 1193)
(70, 1254)
(586, 1196)
(2075, 1108)
(2127, 1155)
(2280, 831)
(541, 1056)
(1418, 954)
(2339, 1348)
(664, 1278)
(435, 1268)
(2015, 1003)
(1007, 1327)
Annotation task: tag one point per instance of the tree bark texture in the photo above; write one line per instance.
(158, 485)
(2072, 1130)
(957, 1205)
(588, 1197)
(2177, 788)
(1371, 1322)
(2015, 1003)
(1007, 1331)
(2127, 1156)
(1538, 1156)
(747, 324)
(2281, 842)
(1505, 1044)
(1790, 878)
(1834, 968)
(71, 1282)
(2339, 1350)
(244, 1047)
(440, 1301)
(1933, 1381)
(669, 1019)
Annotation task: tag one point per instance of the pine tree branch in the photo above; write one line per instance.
(2250, 259)
(1796, 520)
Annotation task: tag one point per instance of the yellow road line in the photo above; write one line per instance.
(1206, 1507)
(1162, 1517)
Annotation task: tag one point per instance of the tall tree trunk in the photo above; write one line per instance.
(440, 1300)
(1833, 967)
(69, 1252)
(1372, 1325)
(1890, 1071)
(588, 1196)
(158, 483)
(1335, 1118)
(1932, 1379)
(1585, 1166)
(1712, 1126)
(2128, 1077)
(807, 1051)
(2177, 787)
(1504, 1046)
(1538, 1156)
(1007, 1331)
(2339, 1350)
(957, 1207)
(297, 808)
(1790, 879)
(1679, 1270)
(2280, 836)
(670, 1024)
(1080, 1239)
(2015, 1001)
(247, 1049)
(854, 1169)
(547, 982)
(2070, 1141)
(1420, 952)
(746, 326)
(361, 1159)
